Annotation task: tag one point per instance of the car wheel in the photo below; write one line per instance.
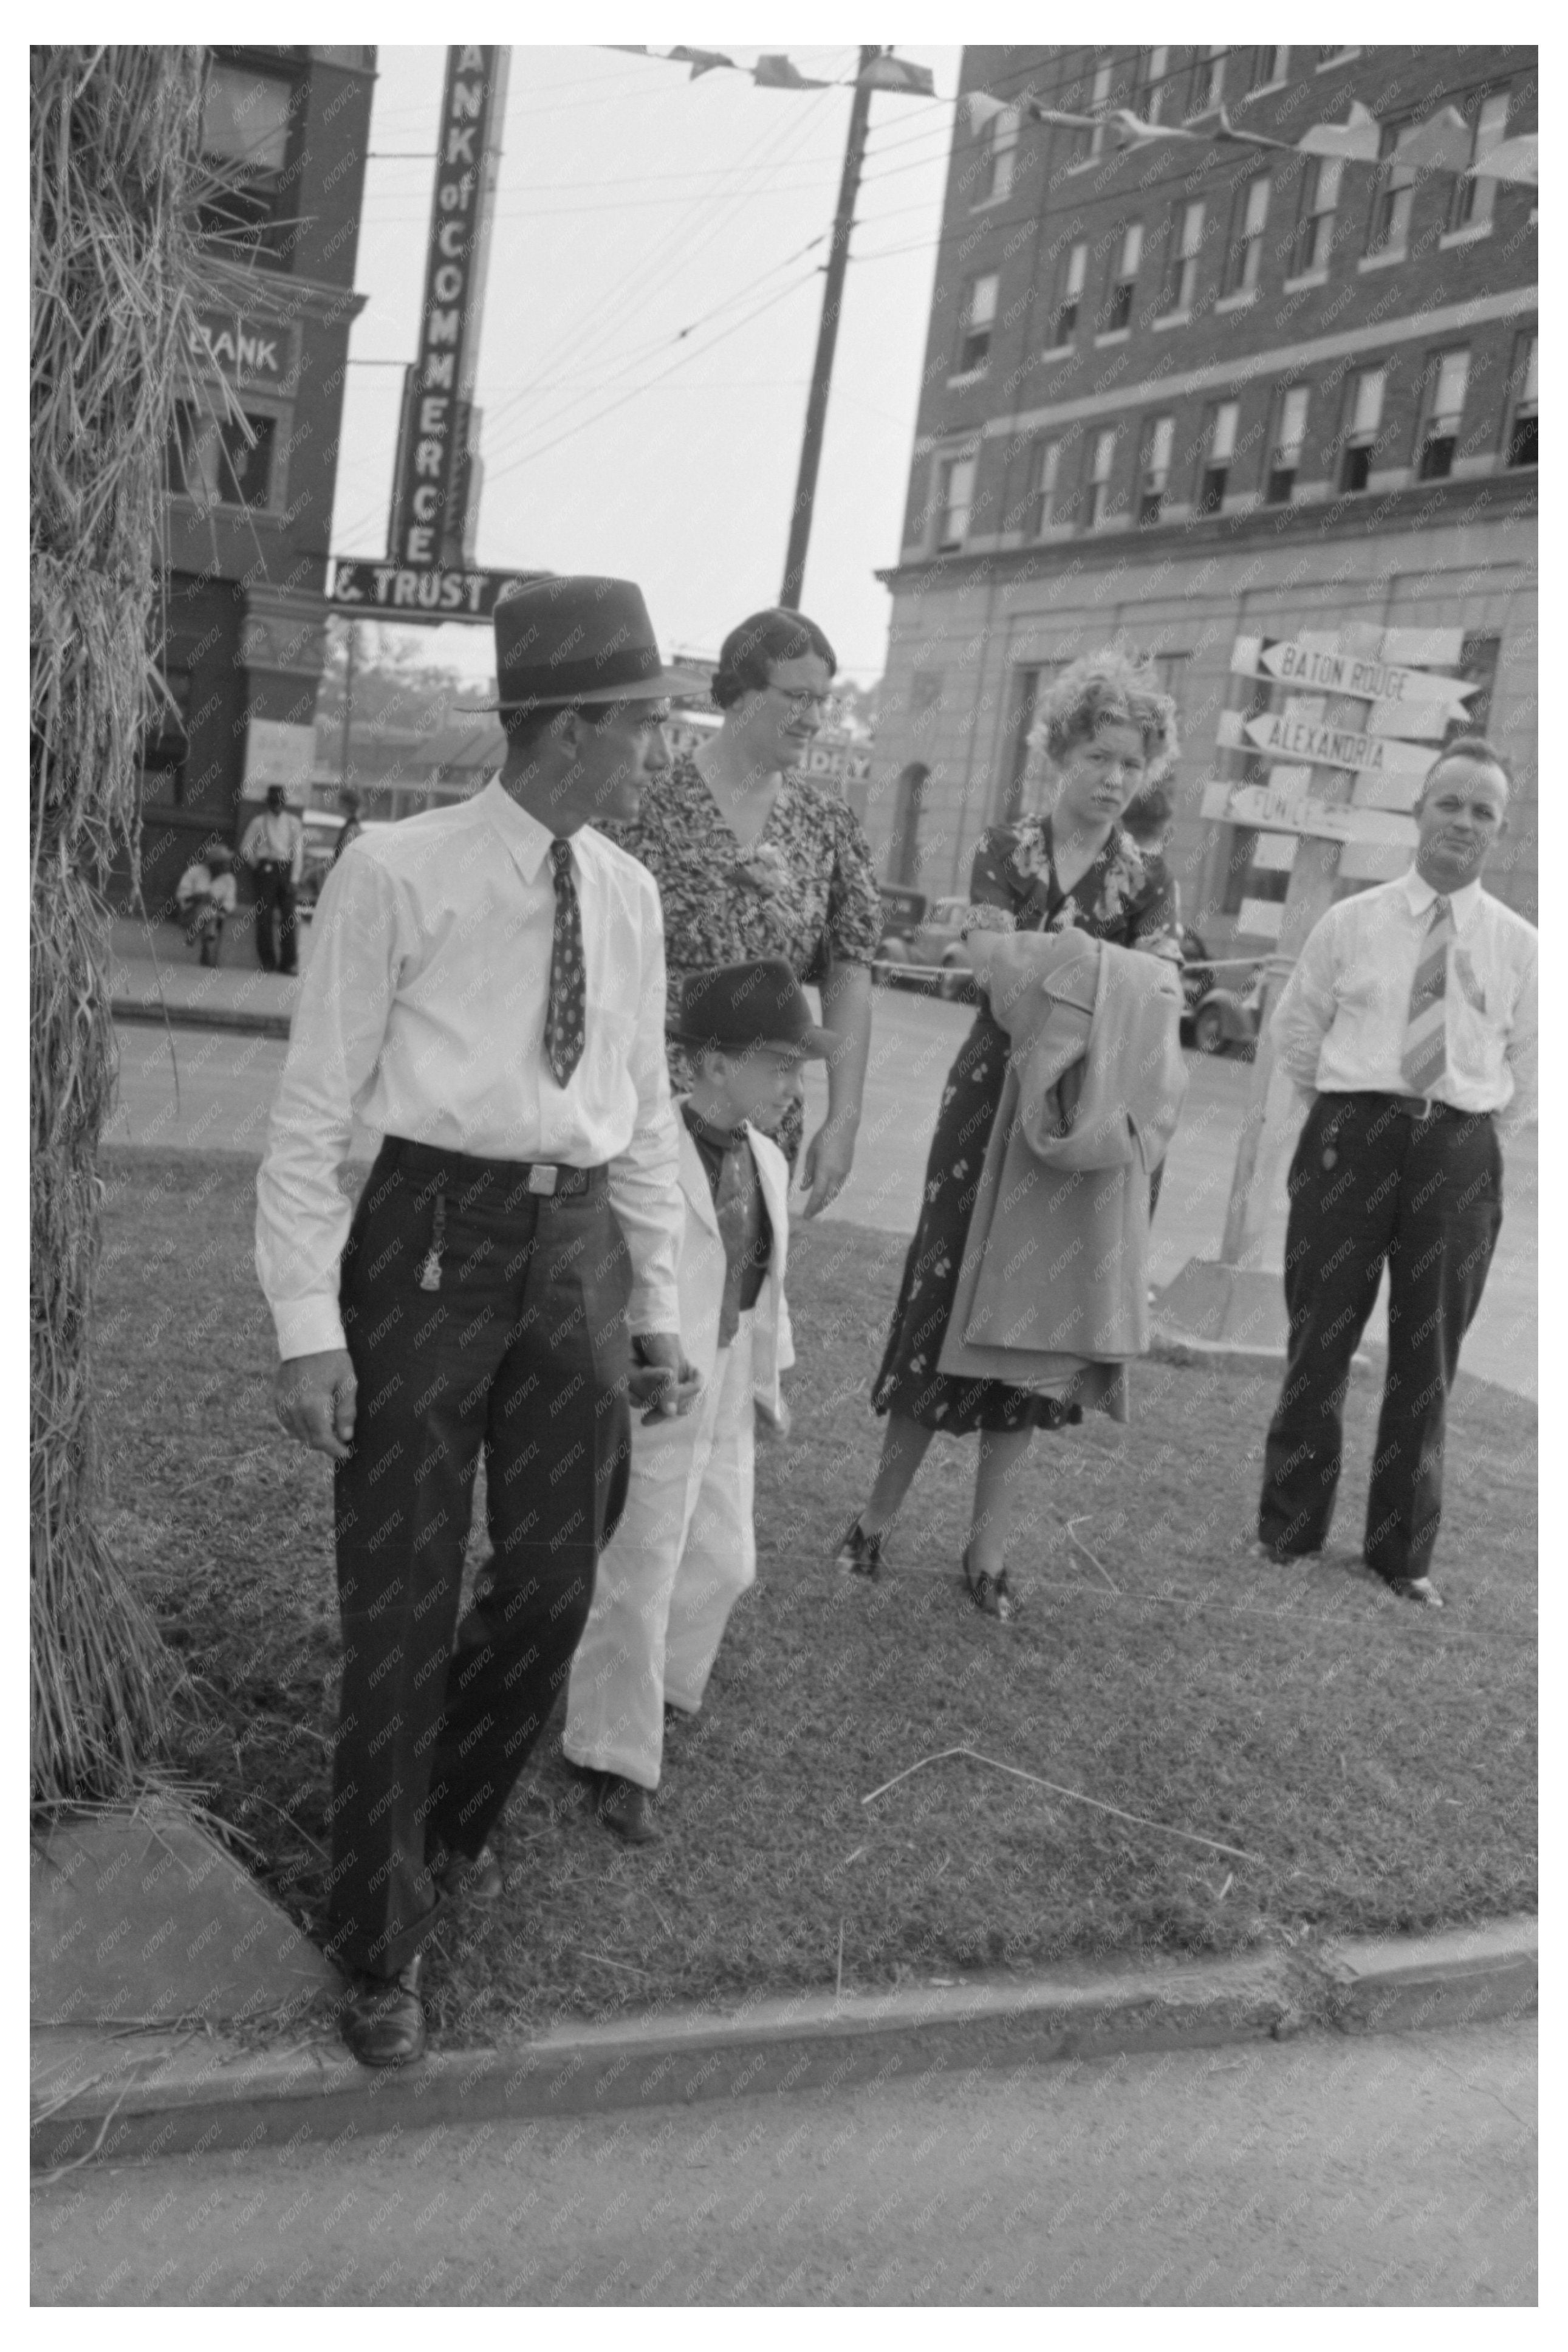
(1208, 1030)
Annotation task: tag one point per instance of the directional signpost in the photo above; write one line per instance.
(1335, 805)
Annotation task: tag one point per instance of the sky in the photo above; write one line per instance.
(634, 203)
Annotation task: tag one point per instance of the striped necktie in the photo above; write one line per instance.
(1424, 1059)
(565, 1019)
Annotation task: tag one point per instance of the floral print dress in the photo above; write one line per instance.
(1119, 899)
(805, 889)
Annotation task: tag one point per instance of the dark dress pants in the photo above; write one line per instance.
(1427, 1197)
(522, 1349)
(275, 951)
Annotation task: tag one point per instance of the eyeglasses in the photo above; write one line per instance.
(800, 698)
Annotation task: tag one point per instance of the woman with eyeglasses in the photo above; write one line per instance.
(753, 859)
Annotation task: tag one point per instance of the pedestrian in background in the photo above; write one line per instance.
(353, 823)
(205, 897)
(273, 849)
(1409, 1023)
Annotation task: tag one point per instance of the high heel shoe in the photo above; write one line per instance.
(859, 1554)
(990, 1594)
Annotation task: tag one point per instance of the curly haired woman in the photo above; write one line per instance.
(1108, 732)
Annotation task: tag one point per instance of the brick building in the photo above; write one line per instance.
(249, 507)
(1175, 394)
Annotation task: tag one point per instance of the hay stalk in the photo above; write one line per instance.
(115, 138)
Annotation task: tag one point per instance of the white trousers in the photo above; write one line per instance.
(684, 1553)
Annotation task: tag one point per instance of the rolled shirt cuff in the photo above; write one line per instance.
(308, 1327)
(653, 1309)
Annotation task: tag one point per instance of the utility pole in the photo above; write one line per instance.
(827, 336)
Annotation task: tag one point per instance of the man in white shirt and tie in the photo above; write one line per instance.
(1410, 1020)
(487, 988)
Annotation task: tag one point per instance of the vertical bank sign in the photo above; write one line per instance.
(428, 527)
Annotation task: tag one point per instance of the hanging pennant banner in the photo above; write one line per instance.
(897, 73)
(1511, 159)
(1356, 141)
(778, 73)
(1442, 144)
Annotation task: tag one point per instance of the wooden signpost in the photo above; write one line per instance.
(1335, 807)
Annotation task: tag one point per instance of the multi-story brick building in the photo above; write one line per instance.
(249, 509)
(1179, 392)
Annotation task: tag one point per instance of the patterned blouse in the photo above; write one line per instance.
(804, 890)
(1122, 896)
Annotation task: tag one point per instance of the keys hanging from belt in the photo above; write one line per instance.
(430, 1272)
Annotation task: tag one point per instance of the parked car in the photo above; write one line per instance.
(921, 947)
(1219, 1015)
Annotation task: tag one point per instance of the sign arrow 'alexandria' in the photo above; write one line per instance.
(1338, 746)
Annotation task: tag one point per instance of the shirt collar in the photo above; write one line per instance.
(528, 841)
(1419, 895)
(721, 1139)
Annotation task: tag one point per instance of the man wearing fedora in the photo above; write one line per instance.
(686, 1549)
(485, 989)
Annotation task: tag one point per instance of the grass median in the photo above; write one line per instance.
(1370, 1766)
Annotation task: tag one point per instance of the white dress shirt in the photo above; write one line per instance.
(421, 1011)
(280, 839)
(1342, 1018)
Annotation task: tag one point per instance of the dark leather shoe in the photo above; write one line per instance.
(859, 1554)
(1419, 1588)
(383, 2018)
(627, 1809)
(470, 1878)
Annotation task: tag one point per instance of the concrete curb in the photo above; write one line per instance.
(168, 2096)
(159, 1013)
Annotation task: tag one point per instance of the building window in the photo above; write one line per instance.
(1149, 88)
(1473, 201)
(975, 328)
(998, 155)
(1477, 667)
(1122, 282)
(1285, 456)
(1154, 466)
(1104, 457)
(246, 121)
(1070, 295)
(1044, 463)
(222, 460)
(1447, 377)
(1244, 254)
(1099, 99)
(954, 496)
(1364, 422)
(1522, 445)
(1392, 195)
(1205, 84)
(166, 742)
(1220, 453)
(1266, 65)
(1320, 201)
(1027, 682)
(1184, 247)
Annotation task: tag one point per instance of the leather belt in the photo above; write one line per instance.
(462, 1170)
(1420, 1109)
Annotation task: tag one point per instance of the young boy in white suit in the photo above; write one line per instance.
(686, 1548)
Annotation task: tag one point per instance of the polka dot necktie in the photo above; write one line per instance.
(565, 1016)
(1424, 1059)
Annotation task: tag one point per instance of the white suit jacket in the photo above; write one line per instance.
(702, 1272)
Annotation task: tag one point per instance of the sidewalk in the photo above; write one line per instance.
(154, 977)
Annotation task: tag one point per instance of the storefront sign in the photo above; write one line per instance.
(425, 593)
(252, 354)
(424, 498)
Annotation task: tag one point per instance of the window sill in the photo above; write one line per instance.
(1308, 277)
(1169, 319)
(986, 204)
(1264, 89)
(1389, 260)
(1329, 65)
(1113, 336)
(968, 375)
(1242, 301)
(1471, 235)
(1059, 350)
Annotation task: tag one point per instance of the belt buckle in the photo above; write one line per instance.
(543, 1176)
(1423, 1117)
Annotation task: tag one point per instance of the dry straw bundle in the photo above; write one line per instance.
(115, 136)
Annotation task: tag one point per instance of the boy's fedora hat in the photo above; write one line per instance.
(576, 639)
(742, 1004)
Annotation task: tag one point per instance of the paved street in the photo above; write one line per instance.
(1395, 2170)
(225, 1084)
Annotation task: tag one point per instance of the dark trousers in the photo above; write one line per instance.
(275, 894)
(522, 1349)
(1368, 1183)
